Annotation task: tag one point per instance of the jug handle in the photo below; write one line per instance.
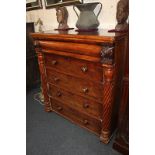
(99, 9)
(75, 11)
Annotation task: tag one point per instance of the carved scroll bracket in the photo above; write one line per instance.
(107, 55)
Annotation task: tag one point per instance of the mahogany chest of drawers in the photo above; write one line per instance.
(81, 76)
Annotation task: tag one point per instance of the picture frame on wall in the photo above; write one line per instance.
(33, 4)
(55, 3)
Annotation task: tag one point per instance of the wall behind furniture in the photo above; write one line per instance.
(107, 17)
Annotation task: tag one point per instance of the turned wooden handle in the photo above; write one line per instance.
(86, 105)
(85, 90)
(59, 108)
(84, 69)
(56, 79)
(54, 62)
(85, 122)
(58, 94)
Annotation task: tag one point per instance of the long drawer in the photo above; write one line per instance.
(74, 67)
(75, 85)
(85, 105)
(77, 117)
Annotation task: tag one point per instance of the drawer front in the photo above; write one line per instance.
(79, 103)
(75, 85)
(75, 67)
(76, 117)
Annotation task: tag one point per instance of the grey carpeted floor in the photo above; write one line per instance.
(50, 134)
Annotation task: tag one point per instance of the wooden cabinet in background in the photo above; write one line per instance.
(121, 142)
(81, 77)
(32, 68)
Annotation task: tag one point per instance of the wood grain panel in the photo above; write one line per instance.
(82, 49)
(75, 85)
(79, 103)
(75, 67)
(92, 37)
(77, 117)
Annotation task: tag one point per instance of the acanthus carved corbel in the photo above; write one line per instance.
(107, 55)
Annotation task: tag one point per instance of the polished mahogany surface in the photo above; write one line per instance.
(121, 142)
(102, 35)
(81, 76)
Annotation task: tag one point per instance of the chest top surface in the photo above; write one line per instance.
(93, 37)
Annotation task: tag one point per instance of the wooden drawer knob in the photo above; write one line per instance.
(86, 105)
(58, 94)
(59, 108)
(85, 122)
(54, 62)
(56, 79)
(85, 90)
(84, 69)
(67, 58)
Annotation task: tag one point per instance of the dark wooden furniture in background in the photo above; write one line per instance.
(81, 76)
(121, 142)
(32, 68)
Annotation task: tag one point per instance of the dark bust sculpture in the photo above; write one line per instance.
(122, 15)
(62, 17)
